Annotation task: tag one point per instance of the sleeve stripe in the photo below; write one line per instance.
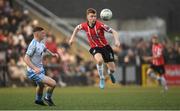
(31, 48)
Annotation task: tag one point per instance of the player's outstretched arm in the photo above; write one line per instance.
(53, 54)
(76, 30)
(116, 38)
(147, 58)
(29, 63)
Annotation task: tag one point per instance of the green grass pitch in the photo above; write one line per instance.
(87, 98)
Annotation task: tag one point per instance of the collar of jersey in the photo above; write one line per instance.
(37, 40)
(91, 26)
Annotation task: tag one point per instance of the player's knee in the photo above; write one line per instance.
(149, 71)
(53, 83)
(112, 71)
(111, 68)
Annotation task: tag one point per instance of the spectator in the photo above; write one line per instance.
(17, 72)
(51, 43)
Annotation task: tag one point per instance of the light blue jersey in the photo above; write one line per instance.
(35, 52)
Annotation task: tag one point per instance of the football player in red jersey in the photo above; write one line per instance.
(157, 62)
(100, 49)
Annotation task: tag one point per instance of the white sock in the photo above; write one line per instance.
(163, 82)
(100, 71)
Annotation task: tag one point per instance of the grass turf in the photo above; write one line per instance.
(88, 98)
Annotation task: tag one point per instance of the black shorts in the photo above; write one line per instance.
(159, 69)
(106, 52)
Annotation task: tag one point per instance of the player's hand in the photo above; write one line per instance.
(117, 43)
(37, 70)
(70, 42)
(56, 55)
(144, 58)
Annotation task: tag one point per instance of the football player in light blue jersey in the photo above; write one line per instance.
(35, 70)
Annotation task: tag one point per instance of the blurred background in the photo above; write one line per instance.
(135, 20)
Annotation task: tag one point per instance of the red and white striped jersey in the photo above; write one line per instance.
(95, 34)
(157, 51)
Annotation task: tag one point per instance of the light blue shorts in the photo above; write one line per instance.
(36, 77)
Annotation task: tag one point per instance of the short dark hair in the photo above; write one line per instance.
(37, 28)
(91, 10)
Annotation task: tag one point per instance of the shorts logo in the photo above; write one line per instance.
(111, 56)
(94, 51)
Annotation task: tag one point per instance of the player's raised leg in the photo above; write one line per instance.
(162, 81)
(49, 91)
(111, 69)
(100, 68)
(151, 73)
